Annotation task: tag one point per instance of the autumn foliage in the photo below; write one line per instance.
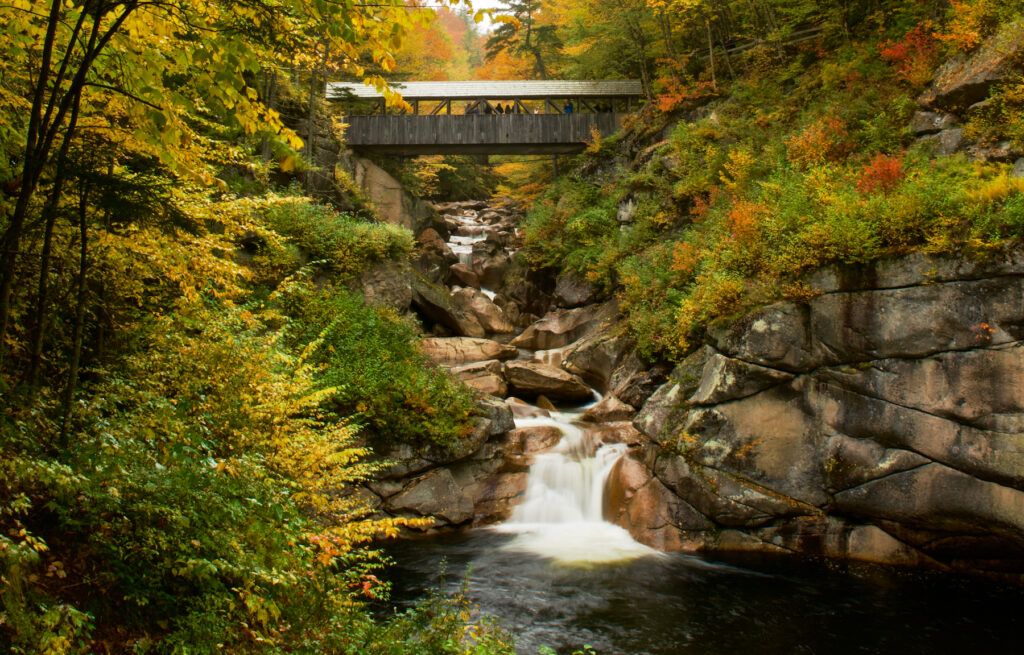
(881, 175)
(913, 58)
(822, 141)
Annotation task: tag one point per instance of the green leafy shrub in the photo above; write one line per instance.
(201, 507)
(371, 362)
(346, 242)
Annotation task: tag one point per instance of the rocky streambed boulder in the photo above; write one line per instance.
(531, 379)
(883, 420)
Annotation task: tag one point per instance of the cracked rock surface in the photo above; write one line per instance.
(883, 420)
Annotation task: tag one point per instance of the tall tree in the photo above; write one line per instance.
(526, 36)
(172, 68)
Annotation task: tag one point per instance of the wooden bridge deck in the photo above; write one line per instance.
(495, 134)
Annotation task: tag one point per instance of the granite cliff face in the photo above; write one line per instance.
(880, 421)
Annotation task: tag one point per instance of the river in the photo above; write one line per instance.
(559, 575)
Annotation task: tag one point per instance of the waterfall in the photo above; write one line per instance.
(562, 514)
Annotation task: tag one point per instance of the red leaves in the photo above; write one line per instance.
(914, 56)
(882, 174)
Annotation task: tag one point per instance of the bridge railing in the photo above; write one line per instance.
(478, 133)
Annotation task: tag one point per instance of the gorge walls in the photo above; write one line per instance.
(881, 420)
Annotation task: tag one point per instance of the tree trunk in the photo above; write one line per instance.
(311, 129)
(711, 54)
(79, 330)
(50, 212)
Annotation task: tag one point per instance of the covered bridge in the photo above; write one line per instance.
(484, 117)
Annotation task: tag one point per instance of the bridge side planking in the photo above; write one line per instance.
(477, 134)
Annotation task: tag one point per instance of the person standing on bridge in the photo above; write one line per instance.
(568, 107)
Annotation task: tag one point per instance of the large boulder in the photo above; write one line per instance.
(453, 351)
(609, 408)
(574, 290)
(967, 79)
(535, 438)
(498, 413)
(560, 328)
(486, 376)
(489, 315)
(434, 494)
(433, 257)
(882, 420)
(388, 284)
(594, 357)
(435, 303)
(530, 379)
(490, 268)
(463, 275)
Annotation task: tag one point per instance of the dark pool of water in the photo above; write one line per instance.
(683, 604)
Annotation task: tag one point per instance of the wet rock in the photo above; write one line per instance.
(609, 408)
(462, 275)
(574, 290)
(544, 403)
(434, 494)
(664, 412)
(433, 257)
(522, 409)
(724, 379)
(930, 122)
(554, 357)
(453, 351)
(535, 439)
(498, 413)
(491, 269)
(489, 315)
(1018, 168)
(496, 496)
(560, 328)
(593, 358)
(435, 303)
(967, 79)
(531, 379)
(613, 432)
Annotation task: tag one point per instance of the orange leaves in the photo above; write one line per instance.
(744, 221)
(913, 57)
(882, 174)
(969, 21)
(677, 94)
(826, 139)
(685, 257)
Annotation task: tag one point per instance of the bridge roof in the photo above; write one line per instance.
(493, 90)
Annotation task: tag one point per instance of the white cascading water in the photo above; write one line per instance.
(562, 514)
